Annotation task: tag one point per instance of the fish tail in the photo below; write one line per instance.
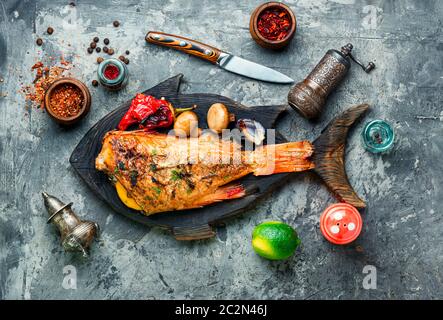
(226, 192)
(285, 157)
(329, 155)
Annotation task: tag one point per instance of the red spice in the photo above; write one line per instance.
(111, 72)
(274, 24)
(44, 76)
(66, 101)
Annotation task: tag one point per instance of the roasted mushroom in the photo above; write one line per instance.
(219, 117)
(186, 122)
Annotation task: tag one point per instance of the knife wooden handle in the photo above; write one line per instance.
(192, 47)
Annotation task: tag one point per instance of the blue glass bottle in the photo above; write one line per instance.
(378, 136)
(121, 79)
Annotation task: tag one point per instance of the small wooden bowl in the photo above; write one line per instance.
(262, 41)
(84, 108)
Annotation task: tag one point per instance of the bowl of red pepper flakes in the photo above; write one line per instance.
(67, 100)
(272, 25)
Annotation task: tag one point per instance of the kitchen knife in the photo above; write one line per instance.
(216, 56)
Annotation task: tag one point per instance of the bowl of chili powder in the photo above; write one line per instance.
(67, 100)
(272, 25)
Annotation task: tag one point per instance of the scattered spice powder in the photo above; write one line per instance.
(274, 24)
(45, 75)
(66, 100)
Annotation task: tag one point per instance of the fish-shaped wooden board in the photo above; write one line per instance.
(199, 223)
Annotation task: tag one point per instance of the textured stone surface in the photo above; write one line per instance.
(402, 231)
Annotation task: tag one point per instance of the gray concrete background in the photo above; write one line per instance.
(402, 234)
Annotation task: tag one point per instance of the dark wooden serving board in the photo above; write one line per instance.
(188, 224)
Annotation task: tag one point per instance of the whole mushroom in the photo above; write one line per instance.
(186, 122)
(219, 117)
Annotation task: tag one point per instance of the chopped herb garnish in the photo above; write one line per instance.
(116, 170)
(148, 198)
(157, 190)
(133, 175)
(176, 175)
(189, 191)
(153, 167)
(121, 165)
(154, 152)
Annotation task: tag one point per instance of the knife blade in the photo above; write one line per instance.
(218, 57)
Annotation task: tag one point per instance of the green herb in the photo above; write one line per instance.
(153, 167)
(116, 170)
(121, 165)
(148, 198)
(154, 152)
(226, 177)
(133, 175)
(176, 175)
(189, 191)
(157, 190)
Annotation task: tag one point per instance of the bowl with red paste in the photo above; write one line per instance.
(272, 25)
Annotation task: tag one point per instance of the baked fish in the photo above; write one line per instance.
(162, 173)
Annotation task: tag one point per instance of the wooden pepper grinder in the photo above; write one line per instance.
(309, 96)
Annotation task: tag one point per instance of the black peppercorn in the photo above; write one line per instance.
(116, 23)
(126, 61)
(95, 83)
(122, 58)
(96, 39)
(39, 41)
(106, 41)
(105, 49)
(93, 45)
(111, 52)
(100, 60)
(90, 50)
(127, 52)
(98, 49)
(50, 30)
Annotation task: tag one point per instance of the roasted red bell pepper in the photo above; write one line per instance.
(149, 113)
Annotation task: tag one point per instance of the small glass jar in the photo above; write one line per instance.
(378, 136)
(112, 74)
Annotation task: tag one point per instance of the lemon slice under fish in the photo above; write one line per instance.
(125, 198)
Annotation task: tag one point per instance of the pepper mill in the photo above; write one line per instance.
(76, 234)
(309, 96)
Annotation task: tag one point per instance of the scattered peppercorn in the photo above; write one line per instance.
(126, 61)
(95, 83)
(100, 60)
(90, 50)
(122, 58)
(50, 30)
(72, 4)
(93, 45)
(98, 49)
(127, 52)
(105, 49)
(116, 23)
(111, 51)
(39, 41)
(106, 41)
(96, 39)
